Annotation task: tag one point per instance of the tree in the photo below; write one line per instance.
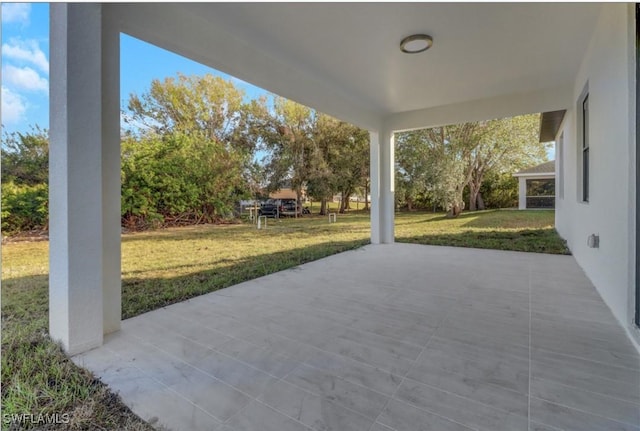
(286, 132)
(443, 161)
(206, 107)
(321, 184)
(505, 145)
(25, 157)
(307, 148)
(446, 152)
(412, 167)
(189, 153)
(347, 156)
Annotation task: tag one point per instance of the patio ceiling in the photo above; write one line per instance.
(345, 59)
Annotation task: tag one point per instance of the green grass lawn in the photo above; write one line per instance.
(167, 266)
(530, 231)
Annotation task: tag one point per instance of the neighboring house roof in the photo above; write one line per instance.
(546, 168)
(283, 194)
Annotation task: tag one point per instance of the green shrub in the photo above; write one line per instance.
(24, 207)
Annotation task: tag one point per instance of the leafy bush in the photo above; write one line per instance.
(25, 157)
(24, 207)
(178, 179)
(500, 190)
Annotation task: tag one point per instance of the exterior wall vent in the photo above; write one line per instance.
(593, 241)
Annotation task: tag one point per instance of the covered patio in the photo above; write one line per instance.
(386, 337)
(391, 336)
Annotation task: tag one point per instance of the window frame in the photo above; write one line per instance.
(583, 148)
(560, 164)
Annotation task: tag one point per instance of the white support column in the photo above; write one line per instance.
(84, 178)
(522, 193)
(111, 195)
(382, 187)
(374, 174)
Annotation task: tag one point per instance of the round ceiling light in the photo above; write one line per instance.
(416, 43)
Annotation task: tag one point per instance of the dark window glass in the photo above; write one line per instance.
(585, 149)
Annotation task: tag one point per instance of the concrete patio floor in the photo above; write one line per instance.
(386, 337)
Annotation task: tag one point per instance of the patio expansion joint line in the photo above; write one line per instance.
(592, 362)
(311, 345)
(611, 397)
(344, 380)
(365, 302)
(252, 398)
(489, 406)
(208, 348)
(258, 400)
(392, 326)
(260, 329)
(591, 413)
(165, 386)
(190, 320)
(415, 361)
(301, 363)
(363, 363)
(580, 319)
(239, 412)
(387, 427)
(204, 371)
(336, 294)
(349, 359)
(310, 392)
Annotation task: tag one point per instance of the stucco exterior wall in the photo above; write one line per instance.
(608, 72)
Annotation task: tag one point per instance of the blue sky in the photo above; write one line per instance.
(25, 67)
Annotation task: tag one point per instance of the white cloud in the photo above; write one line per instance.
(14, 107)
(24, 78)
(16, 13)
(26, 51)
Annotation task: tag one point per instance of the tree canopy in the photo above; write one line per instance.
(445, 161)
(193, 146)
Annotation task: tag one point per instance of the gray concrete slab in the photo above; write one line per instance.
(384, 338)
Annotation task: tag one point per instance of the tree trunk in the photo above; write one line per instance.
(323, 206)
(455, 210)
(342, 203)
(346, 197)
(409, 204)
(475, 199)
(480, 201)
(366, 196)
(457, 205)
(474, 191)
(298, 201)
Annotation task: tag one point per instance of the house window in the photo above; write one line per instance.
(560, 163)
(585, 148)
(541, 193)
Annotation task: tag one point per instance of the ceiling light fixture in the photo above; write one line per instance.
(416, 43)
